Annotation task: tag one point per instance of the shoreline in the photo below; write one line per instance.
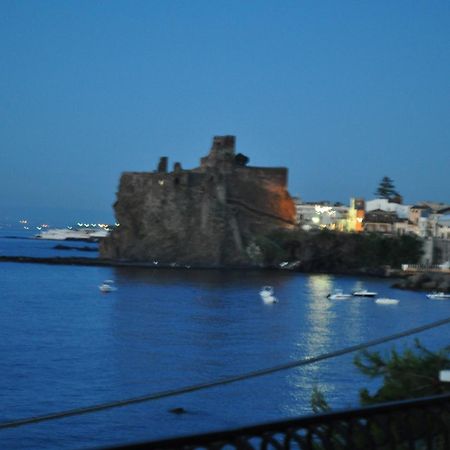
(83, 261)
(425, 281)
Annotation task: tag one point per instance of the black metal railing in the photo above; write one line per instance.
(410, 424)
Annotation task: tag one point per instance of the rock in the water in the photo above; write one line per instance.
(177, 410)
(426, 281)
(204, 216)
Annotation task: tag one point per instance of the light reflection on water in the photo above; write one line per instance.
(318, 316)
(64, 345)
(319, 313)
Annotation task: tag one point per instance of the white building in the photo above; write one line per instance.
(432, 219)
(320, 215)
(443, 227)
(384, 204)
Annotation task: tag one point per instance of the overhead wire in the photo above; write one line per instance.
(219, 382)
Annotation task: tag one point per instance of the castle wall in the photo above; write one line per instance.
(205, 216)
(273, 176)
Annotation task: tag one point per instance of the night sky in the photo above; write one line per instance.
(340, 92)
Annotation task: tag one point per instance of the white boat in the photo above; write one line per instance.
(286, 265)
(387, 301)
(338, 294)
(267, 296)
(106, 286)
(438, 296)
(82, 234)
(364, 293)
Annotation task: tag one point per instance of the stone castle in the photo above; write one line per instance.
(206, 216)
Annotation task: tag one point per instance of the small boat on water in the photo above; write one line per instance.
(364, 293)
(338, 294)
(73, 234)
(387, 301)
(107, 286)
(438, 296)
(267, 295)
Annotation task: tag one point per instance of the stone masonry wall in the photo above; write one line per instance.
(205, 216)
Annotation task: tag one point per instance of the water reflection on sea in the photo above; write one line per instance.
(64, 344)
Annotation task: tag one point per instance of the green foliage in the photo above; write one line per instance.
(271, 251)
(255, 254)
(332, 251)
(318, 402)
(386, 189)
(414, 373)
(376, 250)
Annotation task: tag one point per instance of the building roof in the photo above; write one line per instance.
(380, 216)
(434, 206)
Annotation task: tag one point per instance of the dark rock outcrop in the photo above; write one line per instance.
(425, 281)
(204, 216)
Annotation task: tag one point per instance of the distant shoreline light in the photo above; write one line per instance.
(26, 225)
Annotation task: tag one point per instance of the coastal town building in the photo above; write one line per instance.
(386, 216)
(443, 225)
(355, 216)
(425, 219)
(320, 215)
(379, 221)
(431, 219)
(383, 204)
(419, 215)
(387, 222)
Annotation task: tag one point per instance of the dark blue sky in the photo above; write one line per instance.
(341, 93)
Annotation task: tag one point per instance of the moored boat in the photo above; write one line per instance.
(387, 301)
(438, 296)
(338, 294)
(267, 294)
(66, 234)
(107, 286)
(364, 293)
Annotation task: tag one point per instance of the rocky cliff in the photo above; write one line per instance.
(206, 216)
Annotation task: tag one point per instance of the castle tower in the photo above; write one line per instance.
(222, 152)
(223, 145)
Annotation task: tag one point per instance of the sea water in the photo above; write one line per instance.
(65, 345)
